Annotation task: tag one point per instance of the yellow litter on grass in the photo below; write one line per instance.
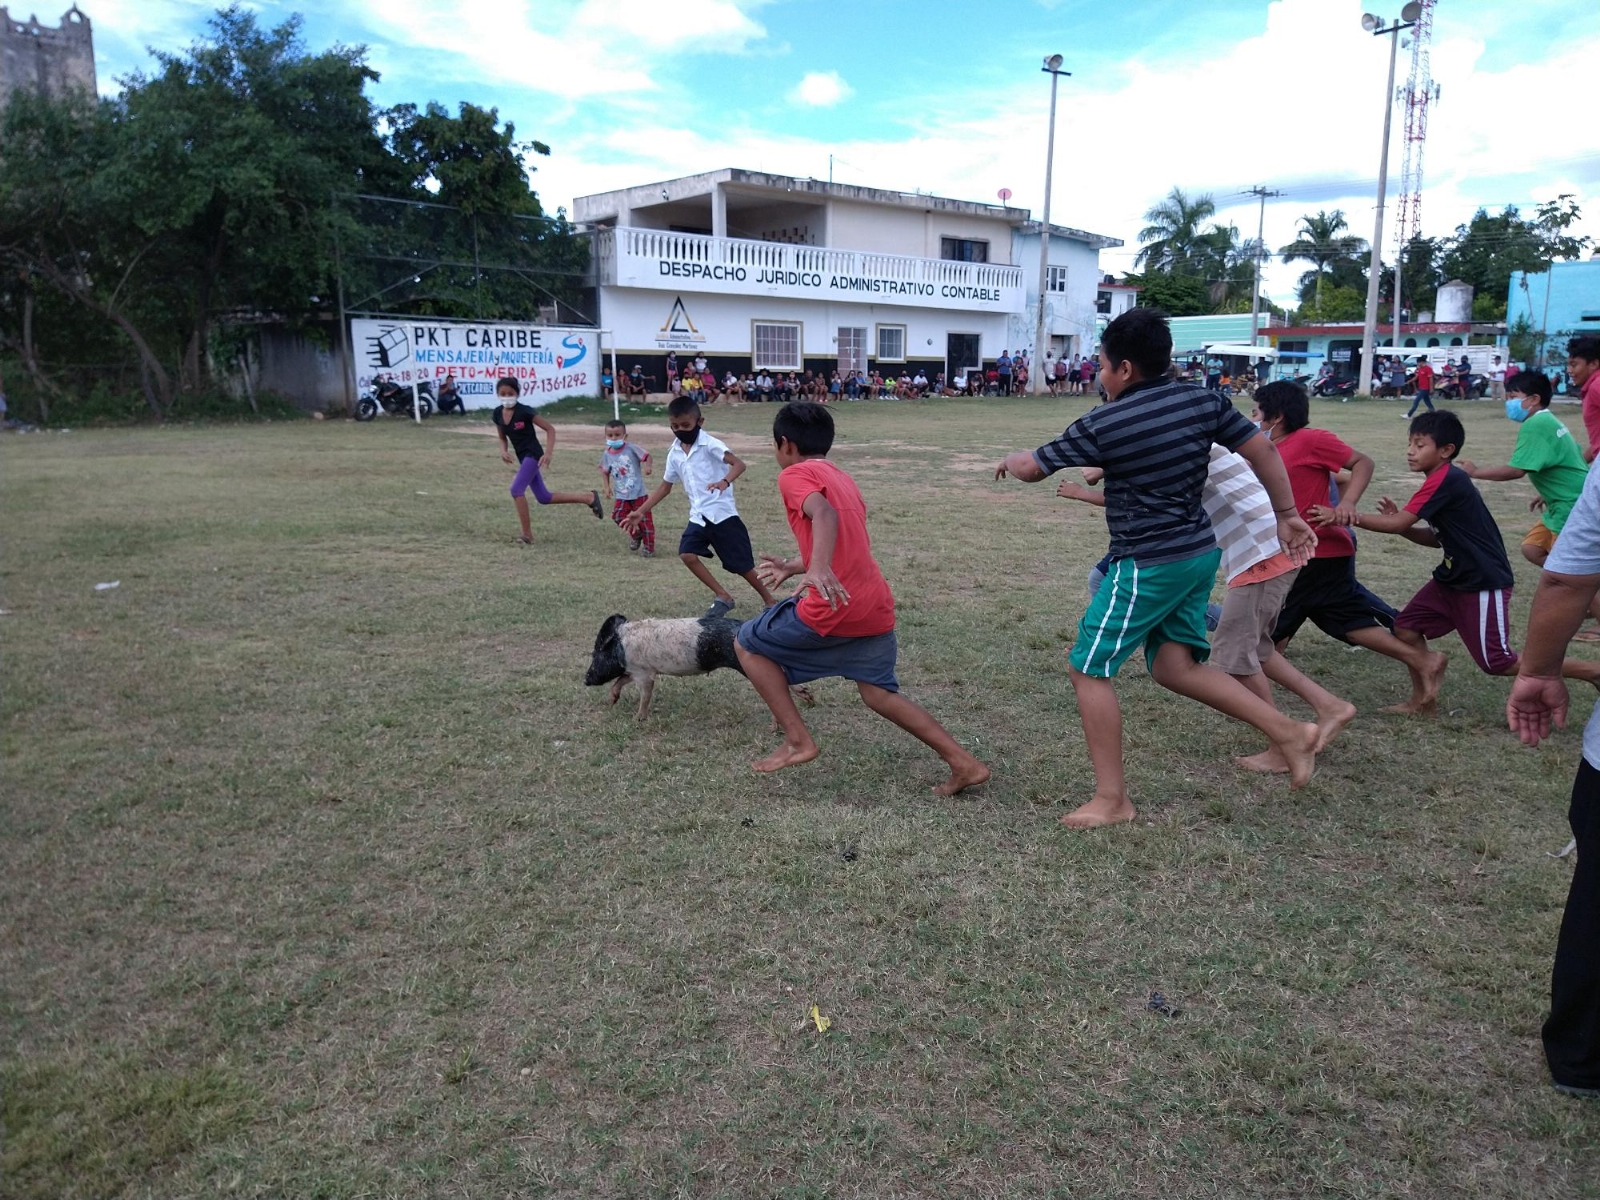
(823, 1023)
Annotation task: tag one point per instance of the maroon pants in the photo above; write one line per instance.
(647, 528)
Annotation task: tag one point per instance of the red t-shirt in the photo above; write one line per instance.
(1591, 409)
(1424, 378)
(871, 607)
(1310, 456)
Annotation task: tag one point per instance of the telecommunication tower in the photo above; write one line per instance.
(1420, 91)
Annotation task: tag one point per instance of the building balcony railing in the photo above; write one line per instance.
(655, 258)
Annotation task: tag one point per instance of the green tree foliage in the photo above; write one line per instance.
(1173, 241)
(204, 193)
(1193, 268)
(1336, 303)
(1334, 254)
(1175, 295)
(1488, 250)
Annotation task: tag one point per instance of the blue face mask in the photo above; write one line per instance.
(1514, 409)
(616, 443)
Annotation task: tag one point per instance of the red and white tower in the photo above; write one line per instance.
(1418, 94)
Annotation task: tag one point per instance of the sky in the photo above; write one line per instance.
(946, 97)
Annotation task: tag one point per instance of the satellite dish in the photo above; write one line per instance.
(1370, 22)
(1005, 194)
(1411, 11)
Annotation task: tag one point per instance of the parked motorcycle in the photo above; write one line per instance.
(393, 399)
(1342, 388)
(1469, 387)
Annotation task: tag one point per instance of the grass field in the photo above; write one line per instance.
(324, 876)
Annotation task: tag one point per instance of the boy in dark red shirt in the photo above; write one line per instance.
(1424, 387)
(840, 620)
(1470, 592)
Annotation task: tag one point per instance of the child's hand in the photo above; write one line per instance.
(1536, 504)
(1388, 507)
(1092, 475)
(1321, 515)
(1068, 490)
(1297, 539)
(630, 523)
(720, 485)
(826, 585)
(1467, 465)
(772, 570)
(505, 456)
(544, 462)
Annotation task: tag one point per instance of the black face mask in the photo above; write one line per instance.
(689, 436)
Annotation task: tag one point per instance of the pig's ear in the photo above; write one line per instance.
(610, 631)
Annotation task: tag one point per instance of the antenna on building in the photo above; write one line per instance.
(1004, 194)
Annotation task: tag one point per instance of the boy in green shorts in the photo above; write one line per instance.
(1153, 440)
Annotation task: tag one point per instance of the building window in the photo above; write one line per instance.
(891, 343)
(1294, 345)
(776, 345)
(963, 250)
(1102, 303)
(1055, 280)
(852, 349)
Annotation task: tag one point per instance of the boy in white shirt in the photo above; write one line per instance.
(706, 468)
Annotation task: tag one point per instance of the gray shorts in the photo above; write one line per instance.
(804, 654)
(1243, 639)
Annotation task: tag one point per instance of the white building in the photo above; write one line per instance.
(761, 271)
(1072, 288)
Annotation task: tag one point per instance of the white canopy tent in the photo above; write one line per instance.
(1240, 350)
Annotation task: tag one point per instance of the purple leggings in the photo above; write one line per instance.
(528, 477)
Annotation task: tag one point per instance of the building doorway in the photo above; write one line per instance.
(852, 349)
(962, 351)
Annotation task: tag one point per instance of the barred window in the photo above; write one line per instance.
(1055, 279)
(777, 346)
(891, 343)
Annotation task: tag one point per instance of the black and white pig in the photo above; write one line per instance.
(637, 651)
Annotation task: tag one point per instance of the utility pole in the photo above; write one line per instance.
(1052, 67)
(1261, 253)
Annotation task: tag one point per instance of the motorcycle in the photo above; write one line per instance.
(1342, 388)
(394, 399)
(1475, 387)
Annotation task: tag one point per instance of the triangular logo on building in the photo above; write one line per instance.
(678, 319)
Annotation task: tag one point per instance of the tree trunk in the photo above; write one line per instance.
(194, 360)
(158, 386)
(30, 362)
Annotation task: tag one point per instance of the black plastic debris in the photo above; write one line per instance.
(1160, 1004)
(849, 853)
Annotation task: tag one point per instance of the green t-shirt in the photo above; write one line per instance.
(1549, 453)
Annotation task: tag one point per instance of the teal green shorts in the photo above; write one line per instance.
(1145, 606)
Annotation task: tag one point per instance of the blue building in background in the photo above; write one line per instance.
(1556, 305)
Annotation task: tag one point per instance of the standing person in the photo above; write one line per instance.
(1497, 380)
(706, 468)
(1086, 374)
(624, 466)
(1424, 382)
(840, 620)
(1568, 587)
(1583, 369)
(1326, 591)
(1154, 442)
(672, 372)
(517, 425)
(1058, 379)
(1002, 369)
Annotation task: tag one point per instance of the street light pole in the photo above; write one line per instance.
(1036, 380)
(1261, 230)
(1374, 25)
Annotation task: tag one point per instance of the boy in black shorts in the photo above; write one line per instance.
(707, 469)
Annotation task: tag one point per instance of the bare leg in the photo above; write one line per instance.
(1102, 729)
(1426, 666)
(1176, 670)
(1333, 713)
(570, 498)
(700, 571)
(616, 688)
(522, 515)
(1269, 761)
(754, 580)
(965, 770)
(768, 680)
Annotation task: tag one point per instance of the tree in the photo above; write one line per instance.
(1173, 241)
(1323, 242)
(1175, 295)
(1488, 250)
(1336, 303)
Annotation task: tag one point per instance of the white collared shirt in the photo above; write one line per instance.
(697, 469)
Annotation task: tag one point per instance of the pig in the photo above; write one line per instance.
(637, 651)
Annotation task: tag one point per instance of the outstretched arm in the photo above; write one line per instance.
(633, 520)
(1294, 534)
(1390, 518)
(1539, 696)
(735, 469)
(1490, 474)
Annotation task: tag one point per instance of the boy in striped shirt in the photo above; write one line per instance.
(1154, 443)
(1259, 574)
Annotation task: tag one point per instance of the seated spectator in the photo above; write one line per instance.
(852, 385)
(691, 385)
(708, 382)
(731, 385)
(919, 382)
(835, 387)
(747, 385)
(991, 379)
(607, 384)
(635, 383)
(764, 385)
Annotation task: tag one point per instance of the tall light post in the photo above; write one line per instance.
(1375, 26)
(1036, 381)
(1261, 229)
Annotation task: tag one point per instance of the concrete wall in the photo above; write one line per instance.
(1562, 301)
(57, 61)
(1070, 317)
(308, 374)
(894, 230)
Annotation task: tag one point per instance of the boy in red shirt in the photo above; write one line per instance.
(1583, 367)
(840, 620)
(1424, 387)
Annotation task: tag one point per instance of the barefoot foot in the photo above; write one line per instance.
(1098, 811)
(786, 756)
(1332, 723)
(1268, 762)
(963, 775)
(1301, 755)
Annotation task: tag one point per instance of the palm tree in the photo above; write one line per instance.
(1322, 242)
(1172, 239)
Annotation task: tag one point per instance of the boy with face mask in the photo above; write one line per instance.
(518, 427)
(707, 469)
(624, 466)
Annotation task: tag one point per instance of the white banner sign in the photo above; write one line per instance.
(548, 361)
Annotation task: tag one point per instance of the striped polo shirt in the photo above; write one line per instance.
(1154, 443)
(1241, 514)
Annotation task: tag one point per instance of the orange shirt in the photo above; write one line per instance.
(871, 607)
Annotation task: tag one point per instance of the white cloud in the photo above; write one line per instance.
(821, 89)
(714, 26)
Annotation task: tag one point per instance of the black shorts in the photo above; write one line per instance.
(1326, 594)
(728, 537)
